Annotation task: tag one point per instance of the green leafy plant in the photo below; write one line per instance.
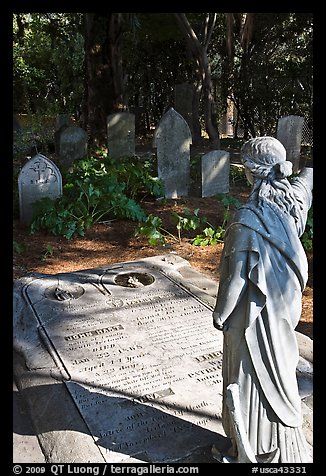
(307, 237)
(152, 229)
(187, 221)
(18, 248)
(211, 235)
(96, 190)
(238, 176)
(48, 252)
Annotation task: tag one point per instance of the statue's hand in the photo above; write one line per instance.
(217, 325)
(307, 174)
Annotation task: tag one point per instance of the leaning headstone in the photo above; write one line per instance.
(73, 144)
(121, 134)
(289, 132)
(215, 173)
(39, 178)
(16, 125)
(62, 122)
(172, 139)
(183, 101)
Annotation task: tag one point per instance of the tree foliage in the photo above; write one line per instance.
(48, 58)
(270, 73)
(96, 64)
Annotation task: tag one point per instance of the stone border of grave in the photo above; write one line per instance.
(47, 398)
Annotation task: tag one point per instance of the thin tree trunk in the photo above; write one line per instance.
(104, 88)
(195, 114)
(199, 52)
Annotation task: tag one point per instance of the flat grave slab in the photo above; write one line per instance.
(139, 356)
(122, 363)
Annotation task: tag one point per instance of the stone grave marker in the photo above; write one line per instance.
(289, 132)
(138, 354)
(121, 363)
(183, 99)
(173, 139)
(121, 134)
(61, 123)
(215, 173)
(39, 178)
(73, 143)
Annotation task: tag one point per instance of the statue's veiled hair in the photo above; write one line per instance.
(265, 158)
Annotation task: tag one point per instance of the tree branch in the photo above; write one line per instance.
(191, 37)
(209, 30)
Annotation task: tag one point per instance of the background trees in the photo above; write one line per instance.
(89, 65)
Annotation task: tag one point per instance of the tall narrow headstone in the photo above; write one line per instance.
(39, 178)
(62, 122)
(215, 171)
(183, 100)
(172, 139)
(121, 134)
(289, 132)
(73, 144)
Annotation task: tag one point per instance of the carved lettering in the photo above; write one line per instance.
(143, 372)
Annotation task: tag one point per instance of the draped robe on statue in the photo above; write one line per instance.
(263, 272)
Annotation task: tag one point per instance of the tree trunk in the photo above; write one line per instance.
(195, 114)
(209, 105)
(199, 52)
(104, 86)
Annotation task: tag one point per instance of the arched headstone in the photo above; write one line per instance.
(215, 173)
(121, 134)
(289, 132)
(73, 143)
(173, 139)
(39, 178)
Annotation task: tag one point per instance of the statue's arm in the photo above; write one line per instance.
(232, 286)
(302, 186)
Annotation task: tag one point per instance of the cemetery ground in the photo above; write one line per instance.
(115, 241)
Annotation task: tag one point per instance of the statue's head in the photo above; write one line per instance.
(265, 158)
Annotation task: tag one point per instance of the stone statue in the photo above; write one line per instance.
(263, 272)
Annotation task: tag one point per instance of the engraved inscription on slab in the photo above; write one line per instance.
(143, 359)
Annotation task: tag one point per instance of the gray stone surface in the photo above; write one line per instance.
(183, 102)
(73, 145)
(289, 132)
(173, 139)
(121, 134)
(26, 447)
(263, 273)
(61, 123)
(39, 178)
(215, 173)
(118, 373)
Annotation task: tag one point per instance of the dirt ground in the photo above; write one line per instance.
(116, 242)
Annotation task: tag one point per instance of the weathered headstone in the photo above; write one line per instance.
(140, 120)
(73, 143)
(289, 132)
(39, 178)
(16, 125)
(61, 123)
(121, 134)
(227, 120)
(173, 139)
(215, 173)
(183, 102)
